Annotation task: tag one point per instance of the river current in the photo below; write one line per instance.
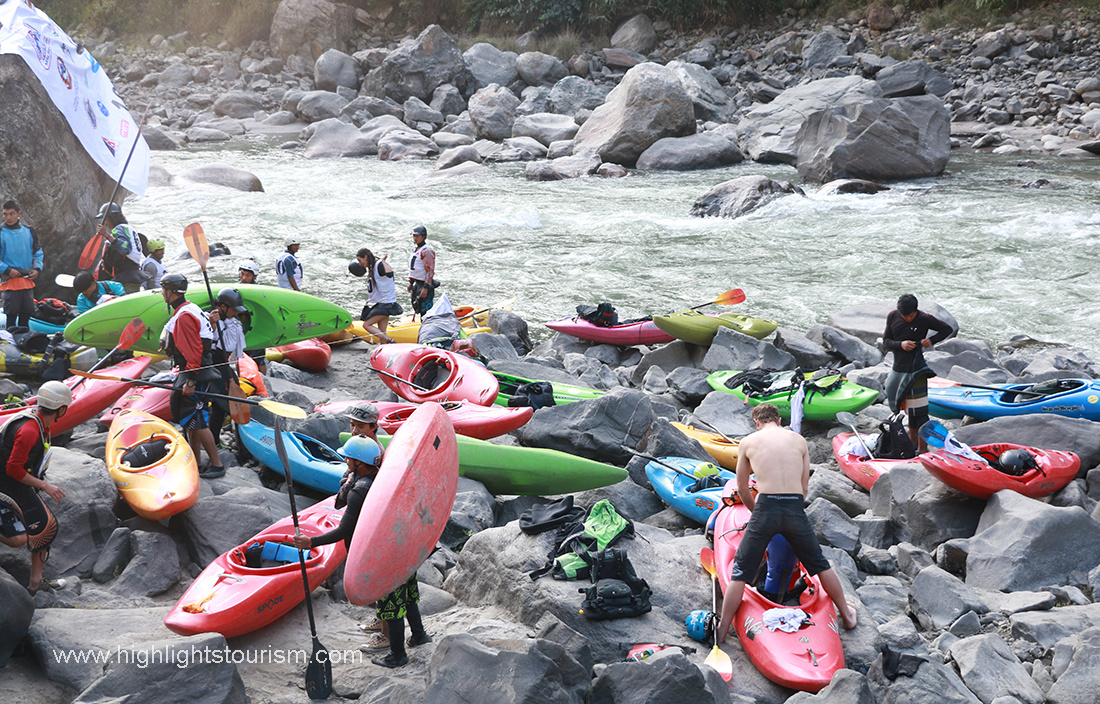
(1003, 259)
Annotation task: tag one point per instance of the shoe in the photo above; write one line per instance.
(391, 661)
(379, 642)
(415, 640)
(373, 626)
(211, 472)
(48, 585)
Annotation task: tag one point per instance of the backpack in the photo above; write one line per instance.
(537, 394)
(52, 310)
(603, 315)
(616, 591)
(602, 528)
(894, 442)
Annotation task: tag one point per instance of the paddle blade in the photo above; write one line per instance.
(131, 334)
(283, 410)
(241, 413)
(706, 556)
(64, 280)
(195, 239)
(319, 673)
(90, 253)
(934, 434)
(731, 297)
(720, 661)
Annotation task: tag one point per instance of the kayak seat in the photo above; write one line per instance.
(145, 453)
(1045, 388)
(431, 375)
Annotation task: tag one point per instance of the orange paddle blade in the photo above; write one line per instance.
(90, 253)
(239, 412)
(706, 556)
(131, 334)
(195, 239)
(731, 297)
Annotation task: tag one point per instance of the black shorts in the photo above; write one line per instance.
(390, 309)
(191, 412)
(24, 512)
(783, 514)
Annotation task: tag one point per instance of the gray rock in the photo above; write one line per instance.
(806, 353)
(15, 618)
(847, 347)
(200, 135)
(850, 185)
(488, 64)
(822, 48)
(705, 150)
(726, 412)
(832, 526)
(335, 138)
(416, 110)
(734, 350)
(709, 99)
(636, 34)
(839, 490)
(867, 321)
(911, 559)
(1078, 683)
(573, 94)
(114, 556)
(689, 385)
(1047, 628)
(215, 524)
(219, 174)
(317, 105)
(669, 679)
(397, 146)
(160, 140)
(938, 598)
(886, 598)
(175, 76)
(1009, 603)
(847, 687)
(154, 567)
(238, 104)
(584, 163)
(513, 327)
(990, 670)
(448, 100)
(912, 78)
(309, 27)
(457, 155)
(334, 69)
(492, 112)
(965, 626)
(992, 44)
(738, 196)
(539, 69)
(1039, 430)
(875, 531)
(84, 517)
(595, 429)
(419, 66)
(472, 512)
(378, 127)
(545, 127)
(533, 100)
(876, 561)
(932, 682)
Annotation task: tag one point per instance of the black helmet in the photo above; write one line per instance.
(109, 209)
(420, 230)
(1016, 462)
(231, 298)
(357, 269)
(174, 282)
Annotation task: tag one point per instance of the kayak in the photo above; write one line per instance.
(563, 393)
(150, 399)
(676, 490)
(806, 659)
(231, 598)
(469, 419)
(816, 405)
(862, 470)
(37, 325)
(446, 375)
(407, 507)
(279, 316)
(152, 465)
(722, 450)
(700, 329)
(981, 479)
(407, 330)
(1072, 398)
(641, 332)
(527, 471)
(312, 355)
(312, 463)
(15, 361)
(90, 396)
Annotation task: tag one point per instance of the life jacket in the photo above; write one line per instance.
(122, 267)
(616, 591)
(602, 528)
(602, 315)
(894, 442)
(36, 463)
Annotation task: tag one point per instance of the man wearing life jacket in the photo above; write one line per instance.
(188, 338)
(228, 347)
(422, 272)
(20, 265)
(124, 252)
(24, 450)
(153, 266)
(247, 272)
(288, 269)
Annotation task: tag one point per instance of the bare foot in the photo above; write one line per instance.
(849, 616)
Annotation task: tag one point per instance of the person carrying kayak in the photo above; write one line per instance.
(188, 338)
(25, 451)
(906, 336)
(227, 348)
(422, 283)
(247, 271)
(781, 462)
(364, 458)
(381, 294)
(122, 261)
(20, 265)
(92, 291)
(288, 270)
(153, 265)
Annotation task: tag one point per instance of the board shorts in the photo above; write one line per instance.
(781, 514)
(421, 306)
(395, 604)
(24, 512)
(390, 309)
(191, 413)
(916, 402)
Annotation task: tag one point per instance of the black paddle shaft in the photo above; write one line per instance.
(651, 458)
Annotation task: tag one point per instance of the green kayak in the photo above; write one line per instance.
(825, 396)
(563, 393)
(279, 316)
(527, 471)
(699, 329)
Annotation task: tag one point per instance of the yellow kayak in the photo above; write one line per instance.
(723, 451)
(405, 329)
(152, 465)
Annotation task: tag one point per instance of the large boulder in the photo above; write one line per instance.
(399, 145)
(596, 429)
(15, 617)
(546, 127)
(219, 174)
(419, 66)
(310, 27)
(318, 105)
(648, 104)
(1049, 432)
(539, 69)
(216, 524)
(85, 517)
(583, 163)
(636, 34)
(705, 150)
(573, 94)
(335, 69)
(912, 78)
(238, 104)
(668, 679)
(734, 198)
(876, 140)
(493, 112)
(488, 64)
(769, 132)
(822, 48)
(707, 95)
(334, 137)
(992, 671)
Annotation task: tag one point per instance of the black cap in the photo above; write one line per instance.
(907, 304)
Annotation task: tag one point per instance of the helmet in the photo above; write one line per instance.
(291, 240)
(109, 209)
(174, 282)
(420, 230)
(700, 624)
(247, 387)
(363, 413)
(154, 245)
(53, 395)
(362, 448)
(231, 298)
(356, 269)
(1016, 462)
(249, 265)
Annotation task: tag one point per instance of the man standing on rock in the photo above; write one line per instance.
(247, 271)
(780, 460)
(20, 265)
(287, 267)
(122, 262)
(907, 337)
(422, 272)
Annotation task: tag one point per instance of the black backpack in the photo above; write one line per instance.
(617, 591)
(603, 315)
(537, 394)
(894, 442)
(52, 310)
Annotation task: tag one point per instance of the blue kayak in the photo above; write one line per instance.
(675, 488)
(312, 463)
(1072, 398)
(37, 325)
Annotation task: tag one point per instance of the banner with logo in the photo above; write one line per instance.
(80, 89)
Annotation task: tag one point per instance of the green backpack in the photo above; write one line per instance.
(576, 542)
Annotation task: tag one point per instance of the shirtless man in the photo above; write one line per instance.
(781, 462)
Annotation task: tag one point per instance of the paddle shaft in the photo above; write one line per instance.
(852, 425)
(133, 331)
(195, 238)
(397, 378)
(1004, 390)
(146, 382)
(651, 458)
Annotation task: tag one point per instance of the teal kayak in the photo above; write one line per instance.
(825, 397)
(563, 393)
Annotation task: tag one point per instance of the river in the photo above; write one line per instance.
(1003, 259)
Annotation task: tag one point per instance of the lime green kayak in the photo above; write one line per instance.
(279, 316)
(526, 471)
(824, 398)
(563, 393)
(699, 329)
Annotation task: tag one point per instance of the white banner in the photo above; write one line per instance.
(80, 89)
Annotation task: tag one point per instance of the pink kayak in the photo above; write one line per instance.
(469, 419)
(640, 333)
(1054, 469)
(440, 375)
(150, 399)
(311, 355)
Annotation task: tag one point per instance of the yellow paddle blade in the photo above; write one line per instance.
(720, 661)
(285, 410)
(706, 556)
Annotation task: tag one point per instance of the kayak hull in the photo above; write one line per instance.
(722, 450)
(861, 470)
(673, 488)
(459, 378)
(850, 397)
(700, 329)
(980, 480)
(19, 363)
(469, 419)
(1081, 401)
(643, 332)
(159, 490)
(312, 355)
(312, 463)
(563, 393)
(232, 599)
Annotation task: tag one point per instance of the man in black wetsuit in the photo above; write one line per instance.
(907, 337)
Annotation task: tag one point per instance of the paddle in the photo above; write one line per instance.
(195, 239)
(718, 659)
(729, 298)
(651, 458)
(280, 409)
(319, 669)
(64, 280)
(130, 334)
(697, 419)
(397, 378)
(849, 420)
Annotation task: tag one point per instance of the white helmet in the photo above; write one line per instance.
(249, 265)
(53, 395)
(291, 240)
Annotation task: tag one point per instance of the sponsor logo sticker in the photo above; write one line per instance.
(124, 129)
(63, 71)
(89, 112)
(110, 145)
(41, 47)
(1093, 398)
(102, 108)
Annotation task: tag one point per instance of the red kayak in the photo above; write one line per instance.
(643, 332)
(91, 396)
(445, 375)
(311, 355)
(981, 479)
(233, 599)
(806, 659)
(861, 470)
(469, 419)
(149, 399)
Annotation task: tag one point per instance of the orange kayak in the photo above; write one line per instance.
(152, 465)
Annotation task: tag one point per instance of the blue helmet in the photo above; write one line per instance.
(362, 448)
(700, 624)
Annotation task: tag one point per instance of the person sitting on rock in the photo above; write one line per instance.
(92, 292)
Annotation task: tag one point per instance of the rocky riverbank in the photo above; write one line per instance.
(959, 600)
